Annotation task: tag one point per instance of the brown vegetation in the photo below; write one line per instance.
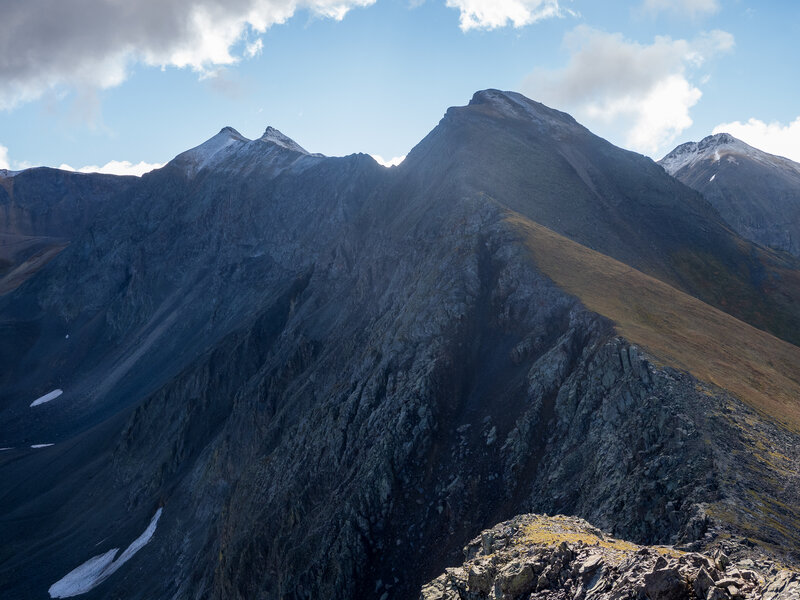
(676, 328)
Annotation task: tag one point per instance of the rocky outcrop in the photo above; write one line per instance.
(535, 557)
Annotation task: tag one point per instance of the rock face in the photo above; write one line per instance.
(552, 558)
(756, 192)
(41, 210)
(331, 375)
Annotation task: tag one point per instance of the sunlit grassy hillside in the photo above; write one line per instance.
(684, 332)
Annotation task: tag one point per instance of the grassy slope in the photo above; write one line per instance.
(617, 202)
(715, 347)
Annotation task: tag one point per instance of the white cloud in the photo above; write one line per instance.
(113, 167)
(392, 162)
(775, 138)
(91, 44)
(638, 95)
(491, 14)
(254, 48)
(690, 8)
(116, 167)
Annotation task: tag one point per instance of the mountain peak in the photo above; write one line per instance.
(515, 105)
(757, 193)
(212, 150)
(230, 131)
(714, 147)
(709, 148)
(273, 136)
(720, 138)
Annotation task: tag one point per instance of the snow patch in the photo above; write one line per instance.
(41, 445)
(47, 397)
(1, 449)
(713, 177)
(97, 569)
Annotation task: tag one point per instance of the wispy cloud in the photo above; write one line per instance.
(254, 48)
(491, 14)
(688, 8)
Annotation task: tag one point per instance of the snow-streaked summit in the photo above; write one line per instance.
(211, 151)
(272, 135)
(758, 194)
(239, 153)
(718, 147)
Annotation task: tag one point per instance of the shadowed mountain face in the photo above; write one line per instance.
(330, 375)
(41, 210)
(757, 193)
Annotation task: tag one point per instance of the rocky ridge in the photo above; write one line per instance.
(535, 557)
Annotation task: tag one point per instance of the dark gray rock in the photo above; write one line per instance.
(303, 360)
(665, 584)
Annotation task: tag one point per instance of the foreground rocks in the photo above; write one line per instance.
(555, 558)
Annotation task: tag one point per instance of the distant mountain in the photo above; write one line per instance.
(757, 193)
(262, 373)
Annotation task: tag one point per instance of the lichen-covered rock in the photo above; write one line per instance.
(574, 560)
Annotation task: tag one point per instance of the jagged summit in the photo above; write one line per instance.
(722, 138)
(211, 151)
(272, 135)
(757, 193)
(710, 147)
(230, 131)
(714, 148)
(229, 143)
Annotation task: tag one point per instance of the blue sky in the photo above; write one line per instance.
(145, 81)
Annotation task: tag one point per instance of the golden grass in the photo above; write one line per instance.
(550, 531)
(557, 529)
(676, 328)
